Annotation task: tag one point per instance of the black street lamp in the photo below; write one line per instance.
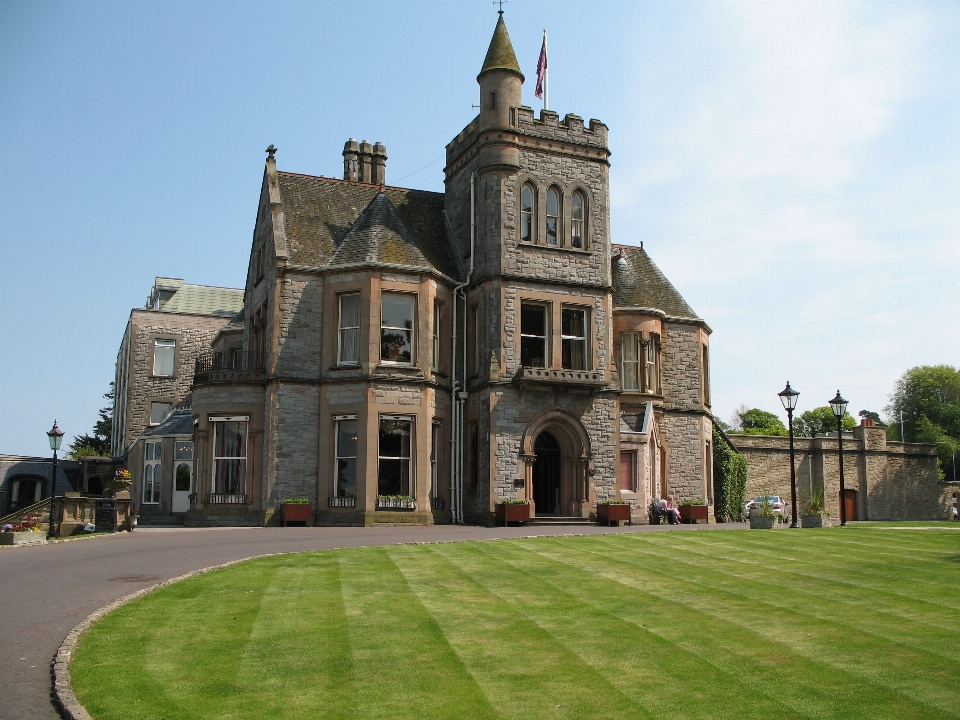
(839, 407)
(788, 396)
(55, 436)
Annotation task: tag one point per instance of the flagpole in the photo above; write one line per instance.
(546, 76)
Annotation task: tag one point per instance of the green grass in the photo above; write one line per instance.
(836, 623)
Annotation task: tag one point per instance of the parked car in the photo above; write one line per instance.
(776, 505)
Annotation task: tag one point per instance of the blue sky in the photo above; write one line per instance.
(793, 167)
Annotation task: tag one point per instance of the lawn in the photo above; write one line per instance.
(857, 622)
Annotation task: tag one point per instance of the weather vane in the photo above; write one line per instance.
(500, 3)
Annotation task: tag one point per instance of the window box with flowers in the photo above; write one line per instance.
(508, 511)
(296, 510)
(613, 511)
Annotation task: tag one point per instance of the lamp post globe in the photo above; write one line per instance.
(55, 437)
(839, 407)
(788, 396)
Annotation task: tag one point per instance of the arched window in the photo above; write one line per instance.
(576, 220)
(553, 215)
(526, 212)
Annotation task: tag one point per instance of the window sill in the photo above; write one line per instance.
(555, 248)
(162, 377)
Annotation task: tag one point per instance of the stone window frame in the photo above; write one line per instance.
(152, 467)
(654, 348)
(436, 446)
(151, 401)
(561, 207)
(587, 327)
(340, 328)
(152, 344)
(216, 422)
(634, 336)
(410, 458)
(565, 191)
(634, 467)
(547, 305)
(705, 373)
(335, 486)
(437, 344)
(414, 338)
(524, 184)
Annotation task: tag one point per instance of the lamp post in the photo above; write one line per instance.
(788, 396)
(55, 436)
(839, 407)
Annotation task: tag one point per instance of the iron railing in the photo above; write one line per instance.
(226, 499)
(395, 503)
(227, 365)
(341, 501)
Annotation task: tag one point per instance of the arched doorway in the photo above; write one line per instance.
(555, 452)
(546, 474)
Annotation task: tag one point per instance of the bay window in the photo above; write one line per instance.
(629, 361)
(349, 330)
(229, 455)
(396, 328)
(346, 452)
(394, 471)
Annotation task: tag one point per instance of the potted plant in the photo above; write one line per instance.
(816, 514)
(120, 482)
(25, 532)
(692, 511)
(508, 511)
(765, 518)
(132, 517)
(610, 511)
(296, 510)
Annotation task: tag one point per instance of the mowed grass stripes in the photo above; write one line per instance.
(860, 622)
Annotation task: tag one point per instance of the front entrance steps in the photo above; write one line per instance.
(545, 520)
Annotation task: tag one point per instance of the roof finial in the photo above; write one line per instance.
(271, 151)
(500, 2)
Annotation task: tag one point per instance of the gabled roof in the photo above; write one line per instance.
(637, 282)
(405, 228)
(179, 422)
(204, 300)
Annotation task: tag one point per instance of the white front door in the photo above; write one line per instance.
(182, 485)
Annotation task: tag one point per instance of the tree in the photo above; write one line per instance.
(761, 422)
(870, 415)
(929, 398)
(99, 442)
(820, 420)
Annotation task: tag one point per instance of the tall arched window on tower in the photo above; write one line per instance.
(576, 220)
(553, 215)
(527, 194)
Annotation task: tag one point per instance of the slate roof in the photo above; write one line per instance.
(632, 422)
(330, 222)
(637, 282)
(204, 300)
(179, 422)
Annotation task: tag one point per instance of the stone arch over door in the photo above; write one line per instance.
(575, 453)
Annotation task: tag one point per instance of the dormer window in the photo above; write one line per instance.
(553, 215)
(576, 220)
(526, 212)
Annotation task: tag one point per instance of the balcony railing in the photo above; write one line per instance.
(228, 366)
(226, 499)
(341, 502)
(550, 376)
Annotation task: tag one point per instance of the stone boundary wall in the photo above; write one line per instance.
(892, 480)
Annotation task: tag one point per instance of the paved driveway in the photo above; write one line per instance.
(46, 590)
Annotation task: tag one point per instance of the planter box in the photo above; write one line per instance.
(29, 537)
(762, 522)
(512, 512)
(693, 513)
(290, 512)
(812, 521)
(608, 513)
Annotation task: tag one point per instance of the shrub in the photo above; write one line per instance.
(296, 501)
(729, 480)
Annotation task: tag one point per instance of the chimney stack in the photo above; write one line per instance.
(363, 162)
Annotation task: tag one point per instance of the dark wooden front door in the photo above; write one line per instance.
(850, 503)
(546, 475)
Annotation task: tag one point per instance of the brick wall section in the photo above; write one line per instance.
(894, 481)
(192, 333)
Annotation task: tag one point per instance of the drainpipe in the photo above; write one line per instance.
(458, 399)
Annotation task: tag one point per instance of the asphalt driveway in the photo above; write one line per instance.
(46, 590)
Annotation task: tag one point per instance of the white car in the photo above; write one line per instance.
(776, 505)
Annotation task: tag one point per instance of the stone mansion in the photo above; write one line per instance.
(411, 356)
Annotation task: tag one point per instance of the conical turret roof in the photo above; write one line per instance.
(500, 54)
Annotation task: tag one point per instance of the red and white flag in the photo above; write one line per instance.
(542, 68)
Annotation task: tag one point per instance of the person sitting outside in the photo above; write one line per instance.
(668, 509)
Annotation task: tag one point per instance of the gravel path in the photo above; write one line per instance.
(46, 590)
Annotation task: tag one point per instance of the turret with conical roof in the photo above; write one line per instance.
(500, 80)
